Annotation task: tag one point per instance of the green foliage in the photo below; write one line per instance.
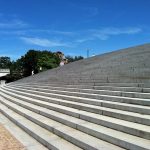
(33, 60)
(72, 59)
(16, 70)
(47, 60)
(38, 61)
(29, 62)
(5, 62)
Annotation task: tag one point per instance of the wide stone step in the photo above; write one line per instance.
(124, 126)
(118, 138)
(86, 87)
(97, 102)
(138, 101)
(28, 141)
(102, 87)
(42, 135)
(109, 80)
(59, 130)
(60, 105)
(89, 91)
(142, 85)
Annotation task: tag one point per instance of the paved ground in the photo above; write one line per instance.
(8, 141)
(16, 134)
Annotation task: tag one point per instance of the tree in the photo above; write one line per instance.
(47, 60)
(76, 58)
(29, 62)
(72, 59)
(5, 62)
(35, 60)
(16, 69)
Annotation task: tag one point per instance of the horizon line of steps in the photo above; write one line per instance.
(129, 112)
(46, 102)
(114, 102)
(96, 84)
(117, 88)
(93, 141)
(133, 92)
(102, 118)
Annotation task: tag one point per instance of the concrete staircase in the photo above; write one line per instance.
(129, 65)
(81, 116)
(100, 103)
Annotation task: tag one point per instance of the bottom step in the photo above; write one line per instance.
(43, 136)
(28, 142)
(53, 141)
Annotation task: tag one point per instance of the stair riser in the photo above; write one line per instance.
(103, 83)
(49, 107)
(51, 129)
(124, 89)
(32, 134)
(127, 117)
(112, 93)
(104, 104)
(127, 108)
(100, 97)
(87, 118)
(90, 119)
(60, 84)
(111, 88)
(117, 127)
(99, 135)
(104, 112)
(77, 106)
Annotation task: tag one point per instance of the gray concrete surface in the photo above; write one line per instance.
(102, 102)
(126, 65)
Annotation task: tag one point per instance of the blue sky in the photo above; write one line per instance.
(72, 26)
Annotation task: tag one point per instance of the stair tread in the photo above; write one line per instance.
(101, 117)
(70, 116)
(49, 137)
(29, 142)
(92, 106)
(97, 101)
(94, 91)
(97, 128)
(91, 141)
(143, 99)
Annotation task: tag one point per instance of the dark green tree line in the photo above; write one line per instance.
(72, 59)
(5, 62)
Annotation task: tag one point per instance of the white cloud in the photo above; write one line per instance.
(81, 40)
(13, 32)
(13, 24)
(44, 42)
(67, 33)
(105, 33)
(52, 32)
